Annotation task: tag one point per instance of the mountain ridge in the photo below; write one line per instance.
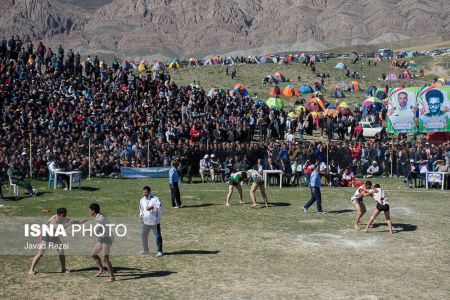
(186, 28)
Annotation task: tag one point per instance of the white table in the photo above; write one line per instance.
(74, 176)
(265, 172)
(439, 177)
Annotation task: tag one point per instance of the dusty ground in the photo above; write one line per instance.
(238, 252)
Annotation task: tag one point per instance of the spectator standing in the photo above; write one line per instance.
(149, 214)
(174, 179)
(316, 196)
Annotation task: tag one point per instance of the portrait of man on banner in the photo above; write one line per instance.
(402, 109)
(434, 112)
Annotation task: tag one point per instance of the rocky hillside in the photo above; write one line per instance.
(201, 27)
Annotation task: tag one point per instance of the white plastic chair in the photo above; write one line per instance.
(14, 187)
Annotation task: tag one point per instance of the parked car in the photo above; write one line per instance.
(372, 130)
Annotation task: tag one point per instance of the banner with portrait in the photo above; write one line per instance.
(434, 109)
(402, 110)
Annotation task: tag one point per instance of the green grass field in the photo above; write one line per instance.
(251, 76)
(238, 252)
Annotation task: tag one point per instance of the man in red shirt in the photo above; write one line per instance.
(194, 134)
(356, 150)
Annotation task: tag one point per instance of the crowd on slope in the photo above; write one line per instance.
(64, 108)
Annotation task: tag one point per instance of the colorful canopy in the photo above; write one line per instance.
(331, 112)
(275, 102)
(318, 102)
(298, 108)
(371, 101)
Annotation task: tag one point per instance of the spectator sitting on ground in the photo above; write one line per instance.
(347, 178)
(373, 170)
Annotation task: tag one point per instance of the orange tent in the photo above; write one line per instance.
(275, 91)
(239, 86)
(290, 91)
(318, 102)
(355, 85)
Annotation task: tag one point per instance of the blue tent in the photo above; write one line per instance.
(305, 89)
(381, 94)
(260, 102)
(341, 66)
(243, 92)
(371, 91)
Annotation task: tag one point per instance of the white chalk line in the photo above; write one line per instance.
(328, 239)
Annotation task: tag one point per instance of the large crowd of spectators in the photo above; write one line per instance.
(66, 108)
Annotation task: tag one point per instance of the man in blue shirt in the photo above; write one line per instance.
(314, 185)
(174, 178)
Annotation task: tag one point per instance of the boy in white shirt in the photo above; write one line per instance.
(149, 214)
(382, 206)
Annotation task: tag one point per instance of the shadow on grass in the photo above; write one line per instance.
(116, 269)
(279, 204)
(146, 275)
(87, 188)
(192, 252)
(199, 205)
(342, 211)
(398, 227)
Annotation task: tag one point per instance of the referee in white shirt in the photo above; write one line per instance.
(149, 214)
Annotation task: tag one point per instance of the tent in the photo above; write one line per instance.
(298, 109)
(371, 91)
(330, 112)
(343, 105)
(174, 64)
(126, 65)
(355, 86)
(305, 89)
(314, 104)
(381, 94)
(279, 77)
(143, 66)
(338, 93)
(260, 102)
(344, 109)
(275, 91)
(158, 66)
(275, 102)
(374, 103)
(391, 77)
(290, 91)
(240, 88)
(302, 58)
(355, 57)
(193, 61)
(410, 54)
(263, 59)
(405, 75)
(341, 66)
(377, 58)
(208, 62)
(292, 114)
(412, 64)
